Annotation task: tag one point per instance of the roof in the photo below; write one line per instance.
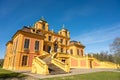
(9, 42)
(76, 43)
(29, 30)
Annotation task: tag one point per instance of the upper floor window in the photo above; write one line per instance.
(43, 27)
(77, 51)
(26, 43)
(66, 42)
(61, 40)
(24, 60)
(71, 51)
(36, 45)
(81, 52)
(61, 49)
(66, 33)
(49, 38)
(15, 46)
(36, 26)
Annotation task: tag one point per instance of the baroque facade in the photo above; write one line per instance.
(31, 48)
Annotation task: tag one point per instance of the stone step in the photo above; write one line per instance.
(53, 69)
(47, 59)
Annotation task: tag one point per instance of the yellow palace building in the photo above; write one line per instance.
(42, 51)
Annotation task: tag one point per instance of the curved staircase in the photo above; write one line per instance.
(53, 65)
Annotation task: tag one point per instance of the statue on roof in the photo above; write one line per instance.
(63, 26)
(42, 19)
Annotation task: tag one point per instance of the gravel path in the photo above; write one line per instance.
(73, 72)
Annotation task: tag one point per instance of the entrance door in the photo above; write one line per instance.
(49, 48)
(90, 63)
(55, 47)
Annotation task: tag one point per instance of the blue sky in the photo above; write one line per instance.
(95, 23)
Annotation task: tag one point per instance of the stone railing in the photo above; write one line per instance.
(61, 65)
(43, 56)
(44, 53)
(54, 55)
(109, 64)
(39, 66)
(63, 55)
(105, 64)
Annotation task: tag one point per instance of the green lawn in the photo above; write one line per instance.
(90, 76)
(9, 74)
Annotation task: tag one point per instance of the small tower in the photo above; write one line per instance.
(41, 24)
(64, 32)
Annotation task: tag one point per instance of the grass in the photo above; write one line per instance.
(90, 76)
(10, 74)
(5, 74)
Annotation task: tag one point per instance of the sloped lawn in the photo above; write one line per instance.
(9, 74)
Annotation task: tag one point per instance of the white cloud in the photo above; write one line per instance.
(100, 35)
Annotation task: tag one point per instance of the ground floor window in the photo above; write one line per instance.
(49, 48)
(24, 60)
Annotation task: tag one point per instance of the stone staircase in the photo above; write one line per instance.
(47, 59)
(53, 69)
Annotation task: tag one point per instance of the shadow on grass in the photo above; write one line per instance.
(12, 75)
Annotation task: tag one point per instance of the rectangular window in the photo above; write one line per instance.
(61, 49)
(66, 50)
(77, 51)
(71, 51)
(61, 40)
(43, 27)
(26, 44)
(15, 46)
(66, 42)
(36, 45)
(24, 60)
(81, 52)
(49, 38)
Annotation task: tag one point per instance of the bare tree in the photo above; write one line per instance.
(115, 49)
